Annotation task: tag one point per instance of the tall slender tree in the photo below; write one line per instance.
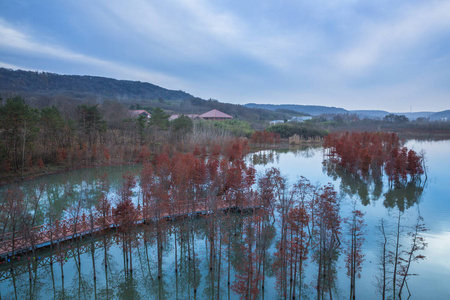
(18, 125)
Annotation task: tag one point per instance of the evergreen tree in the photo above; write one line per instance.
(17, 127)
(159, 118)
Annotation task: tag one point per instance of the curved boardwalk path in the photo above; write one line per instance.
(21, 242)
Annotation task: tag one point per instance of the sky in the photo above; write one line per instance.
(354, 54)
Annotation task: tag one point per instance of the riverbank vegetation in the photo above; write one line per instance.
(420, 128)
(39, 141)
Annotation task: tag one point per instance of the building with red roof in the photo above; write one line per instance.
(216, 115)
(139, 112)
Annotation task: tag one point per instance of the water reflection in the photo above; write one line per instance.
(192, 258)
(264, 157)
(401, 196)
(55, 194)
(271, 156)
(216, 256)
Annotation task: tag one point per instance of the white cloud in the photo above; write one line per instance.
(221, 25)
(11, 66)
(415, 26)
(164, 28)
(437, 249)
(17, 41)
(200, 32)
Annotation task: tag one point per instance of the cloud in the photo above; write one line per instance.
(14, 67)
(169, 29)
(222, 26)
(414, 26)
(439, 244)
(17, 41)
(200, 33)
(347, 54)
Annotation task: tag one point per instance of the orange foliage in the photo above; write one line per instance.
(368, 154)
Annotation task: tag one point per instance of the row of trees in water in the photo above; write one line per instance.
(372, 154)
(171, 183)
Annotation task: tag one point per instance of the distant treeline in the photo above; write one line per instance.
(305, 131)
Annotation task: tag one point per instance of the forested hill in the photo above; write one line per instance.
(49, 84)
(316, 110)
(442, 115)
(313, 110)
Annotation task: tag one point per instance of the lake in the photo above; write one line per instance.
(175, 260)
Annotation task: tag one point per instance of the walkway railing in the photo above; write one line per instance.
(45, 235)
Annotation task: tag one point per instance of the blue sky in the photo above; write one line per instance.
(389, 55)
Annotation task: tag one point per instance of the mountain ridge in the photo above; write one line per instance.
(83, 86)
(313, 110)
(316, 110)
(39, 84)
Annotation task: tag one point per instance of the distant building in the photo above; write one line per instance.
(139, 112)
(276, 122)
(216, 115)
(299, 119)
(192, 117)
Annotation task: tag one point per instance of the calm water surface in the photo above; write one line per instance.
(86, 258)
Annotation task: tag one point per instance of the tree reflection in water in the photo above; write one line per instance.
(270, 156)
(402, 196)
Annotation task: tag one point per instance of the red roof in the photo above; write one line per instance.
(215, 114)
(137, 112)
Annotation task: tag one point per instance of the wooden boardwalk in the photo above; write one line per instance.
(21, 242)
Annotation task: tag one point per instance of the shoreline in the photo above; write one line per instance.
(40, 173)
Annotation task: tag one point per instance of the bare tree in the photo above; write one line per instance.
(412, 254)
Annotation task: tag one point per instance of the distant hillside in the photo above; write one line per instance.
(380, 114)
(370, 114)
(29, 83)
(440, 116)
(313, 110)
